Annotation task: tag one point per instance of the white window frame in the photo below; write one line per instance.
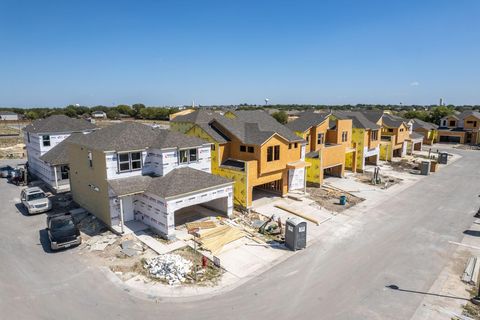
(130, 161)
(46, 140)
(188, 156)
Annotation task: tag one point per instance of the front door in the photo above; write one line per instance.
(468, 137)
(128, 209)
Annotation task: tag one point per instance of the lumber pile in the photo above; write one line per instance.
(299, 214)
(200, 225)
(215, 239)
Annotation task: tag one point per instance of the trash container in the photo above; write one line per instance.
(295, 233)
(425, 168)
(343, 200)
(443, 158)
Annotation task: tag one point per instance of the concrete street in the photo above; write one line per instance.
(403, 241)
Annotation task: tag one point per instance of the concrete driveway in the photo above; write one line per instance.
(402, 241)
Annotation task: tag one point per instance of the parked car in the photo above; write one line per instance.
(62, 231)
(35, 200)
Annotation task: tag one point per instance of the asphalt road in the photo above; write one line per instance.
(403, 241)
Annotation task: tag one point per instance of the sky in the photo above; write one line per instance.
(60, 52)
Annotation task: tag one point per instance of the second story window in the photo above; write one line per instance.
(401, 130)
(276, 153)
(390, 130)
(243, 148)
(187, 156)
(129, 161)
(250, 149)
(452, 123)
(344, 136)
(90, 159)
(46, 140)
(270, 154)
(320, 138)
(374, 135)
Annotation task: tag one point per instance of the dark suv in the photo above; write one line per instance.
(62, 232)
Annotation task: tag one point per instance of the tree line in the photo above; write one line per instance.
(137, 111)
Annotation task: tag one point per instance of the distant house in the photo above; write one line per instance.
(460, 128)
(99, 115)
(46, 148)
(8, 115)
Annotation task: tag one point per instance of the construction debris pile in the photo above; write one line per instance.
(100, 242)
(170, 267)
(214, 239)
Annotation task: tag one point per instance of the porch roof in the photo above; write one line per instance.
(130, 185)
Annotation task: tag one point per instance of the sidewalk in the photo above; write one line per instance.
(245, 259)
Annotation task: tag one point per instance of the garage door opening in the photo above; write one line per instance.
(335, 171)
(449, 139)
(372, 160)
(213, 208)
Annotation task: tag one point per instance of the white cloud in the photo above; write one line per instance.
(415, 84)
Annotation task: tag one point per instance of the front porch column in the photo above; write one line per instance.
(56, 177)
(121, 215)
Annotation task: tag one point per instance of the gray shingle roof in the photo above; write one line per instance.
(128, 136)
(130, 185)
(7, 113)
(417, 123)
(59, 124)
(373, 115)
(250, 127)
(467, 113)
(184, 180)
(306, 120)
(58, 155)
(416, 135)
(392, 121)
(198, 116)
(359, 120)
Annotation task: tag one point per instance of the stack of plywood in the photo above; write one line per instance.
(214, 239)
(200, 225)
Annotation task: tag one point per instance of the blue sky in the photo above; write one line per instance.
(54, 53)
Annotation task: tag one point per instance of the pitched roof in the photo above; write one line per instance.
(306, 120)
(130, 185)
(59, 124)
(258, 126)
(128, 136)
(184, 180)
(391, 121)
(416, 135)
(373, 115)
(7, 113)
(417, 124)
(249, 126)
(198, 116)
(467, 113)
(59, 155)
(359, 120)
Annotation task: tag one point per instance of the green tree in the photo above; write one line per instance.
(113, 114)
(439, 112)
(280, 116)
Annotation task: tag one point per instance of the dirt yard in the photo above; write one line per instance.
(329, 198)
(385, 181)
(11, 146)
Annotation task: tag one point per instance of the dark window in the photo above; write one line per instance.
(46, 141)
(320, 138)
(452, 123)
(213, 147)
(64, 170)
(136, 160)
(390, 130)
(243, 148)
(250, 149)
(276, 153)
(183, 156)
(270, 154)
(289, 146)
(308, 138)
(344, 136)
(129, 161)
(90, 159)
(193, 155)
(296, 145)
(374, 135)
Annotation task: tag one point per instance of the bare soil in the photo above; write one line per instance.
(386, 181)
(329, 198)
